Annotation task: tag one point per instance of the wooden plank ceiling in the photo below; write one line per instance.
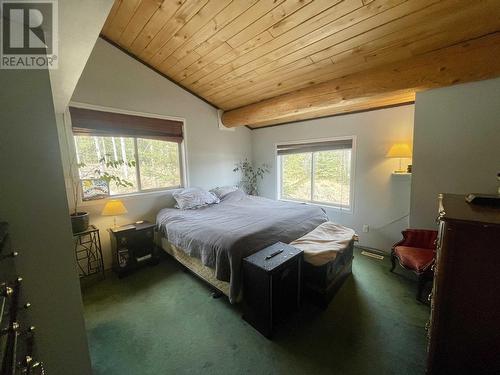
(267, 62)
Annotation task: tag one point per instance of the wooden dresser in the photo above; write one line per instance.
(464, 327)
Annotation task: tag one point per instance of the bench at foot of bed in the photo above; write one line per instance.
(321, 283)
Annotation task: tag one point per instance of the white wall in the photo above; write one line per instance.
(113, 79)
(33, 201)
(80, 23)
(381, 200)
(457, 145)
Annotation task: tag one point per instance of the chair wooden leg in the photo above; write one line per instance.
(393, 261)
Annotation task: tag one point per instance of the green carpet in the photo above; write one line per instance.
(161, 320)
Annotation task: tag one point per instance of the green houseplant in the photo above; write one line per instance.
(80, 219)
(250, 175)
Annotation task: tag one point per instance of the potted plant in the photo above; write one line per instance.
(80, 219)
(250, 175)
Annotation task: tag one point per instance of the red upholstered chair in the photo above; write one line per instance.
(416, 252)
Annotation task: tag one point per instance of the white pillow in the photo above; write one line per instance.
(234, 196)
(222, 191)
(193, 198)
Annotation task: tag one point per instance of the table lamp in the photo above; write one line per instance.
(114, 207)
(399, 150)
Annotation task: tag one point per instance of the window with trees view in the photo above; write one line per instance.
(317, 172)
(146, 164)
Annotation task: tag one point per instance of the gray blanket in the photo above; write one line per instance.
(221, 235)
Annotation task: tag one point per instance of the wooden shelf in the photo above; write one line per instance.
(401, 174)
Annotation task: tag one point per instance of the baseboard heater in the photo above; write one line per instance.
(372, 255)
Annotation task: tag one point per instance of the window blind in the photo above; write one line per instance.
(299, 148)
(100, 123)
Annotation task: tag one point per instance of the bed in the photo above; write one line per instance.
(212, 241)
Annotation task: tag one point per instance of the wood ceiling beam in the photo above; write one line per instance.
(360, 53)
(387, 85)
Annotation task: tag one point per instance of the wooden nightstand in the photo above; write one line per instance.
(133, 245)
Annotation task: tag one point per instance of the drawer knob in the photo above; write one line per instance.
(10, 255)
(6, 291)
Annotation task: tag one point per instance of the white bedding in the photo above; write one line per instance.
(322, 245)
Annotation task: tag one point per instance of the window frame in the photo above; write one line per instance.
(279, 169)
(181, 147)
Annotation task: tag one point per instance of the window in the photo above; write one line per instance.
(134, 152)
(156, 163)
(317, 172)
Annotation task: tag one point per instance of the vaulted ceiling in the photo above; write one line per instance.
(274, 61)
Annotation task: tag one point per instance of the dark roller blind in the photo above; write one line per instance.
(298, 148)
(100, 123)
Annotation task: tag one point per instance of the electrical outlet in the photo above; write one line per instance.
(366, 228)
